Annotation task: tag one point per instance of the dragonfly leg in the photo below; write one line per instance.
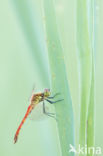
(47, 113)
(54, 101)
(53, 96)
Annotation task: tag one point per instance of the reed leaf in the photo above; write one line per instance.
(59, 82)
(91, 108)
(85, 66)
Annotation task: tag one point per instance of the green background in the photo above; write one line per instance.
(20, 71)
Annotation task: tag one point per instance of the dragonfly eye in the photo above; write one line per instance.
(47, 92)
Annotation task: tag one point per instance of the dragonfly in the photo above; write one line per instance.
(34, 101)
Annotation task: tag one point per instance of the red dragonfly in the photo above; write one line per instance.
(34, 101)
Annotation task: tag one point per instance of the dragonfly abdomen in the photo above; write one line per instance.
(22, 122)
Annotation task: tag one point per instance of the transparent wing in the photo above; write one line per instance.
(37, 113)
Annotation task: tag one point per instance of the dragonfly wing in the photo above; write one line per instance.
(37, 113)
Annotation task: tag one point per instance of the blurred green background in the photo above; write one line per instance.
(21, 41)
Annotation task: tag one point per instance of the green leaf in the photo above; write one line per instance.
(86, 67)
(59, 82)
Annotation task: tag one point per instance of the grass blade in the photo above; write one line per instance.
(90, 119)
(91, 108)
(85, 66)
(64, 110)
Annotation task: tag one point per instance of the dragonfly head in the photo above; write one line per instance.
(47, 92)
